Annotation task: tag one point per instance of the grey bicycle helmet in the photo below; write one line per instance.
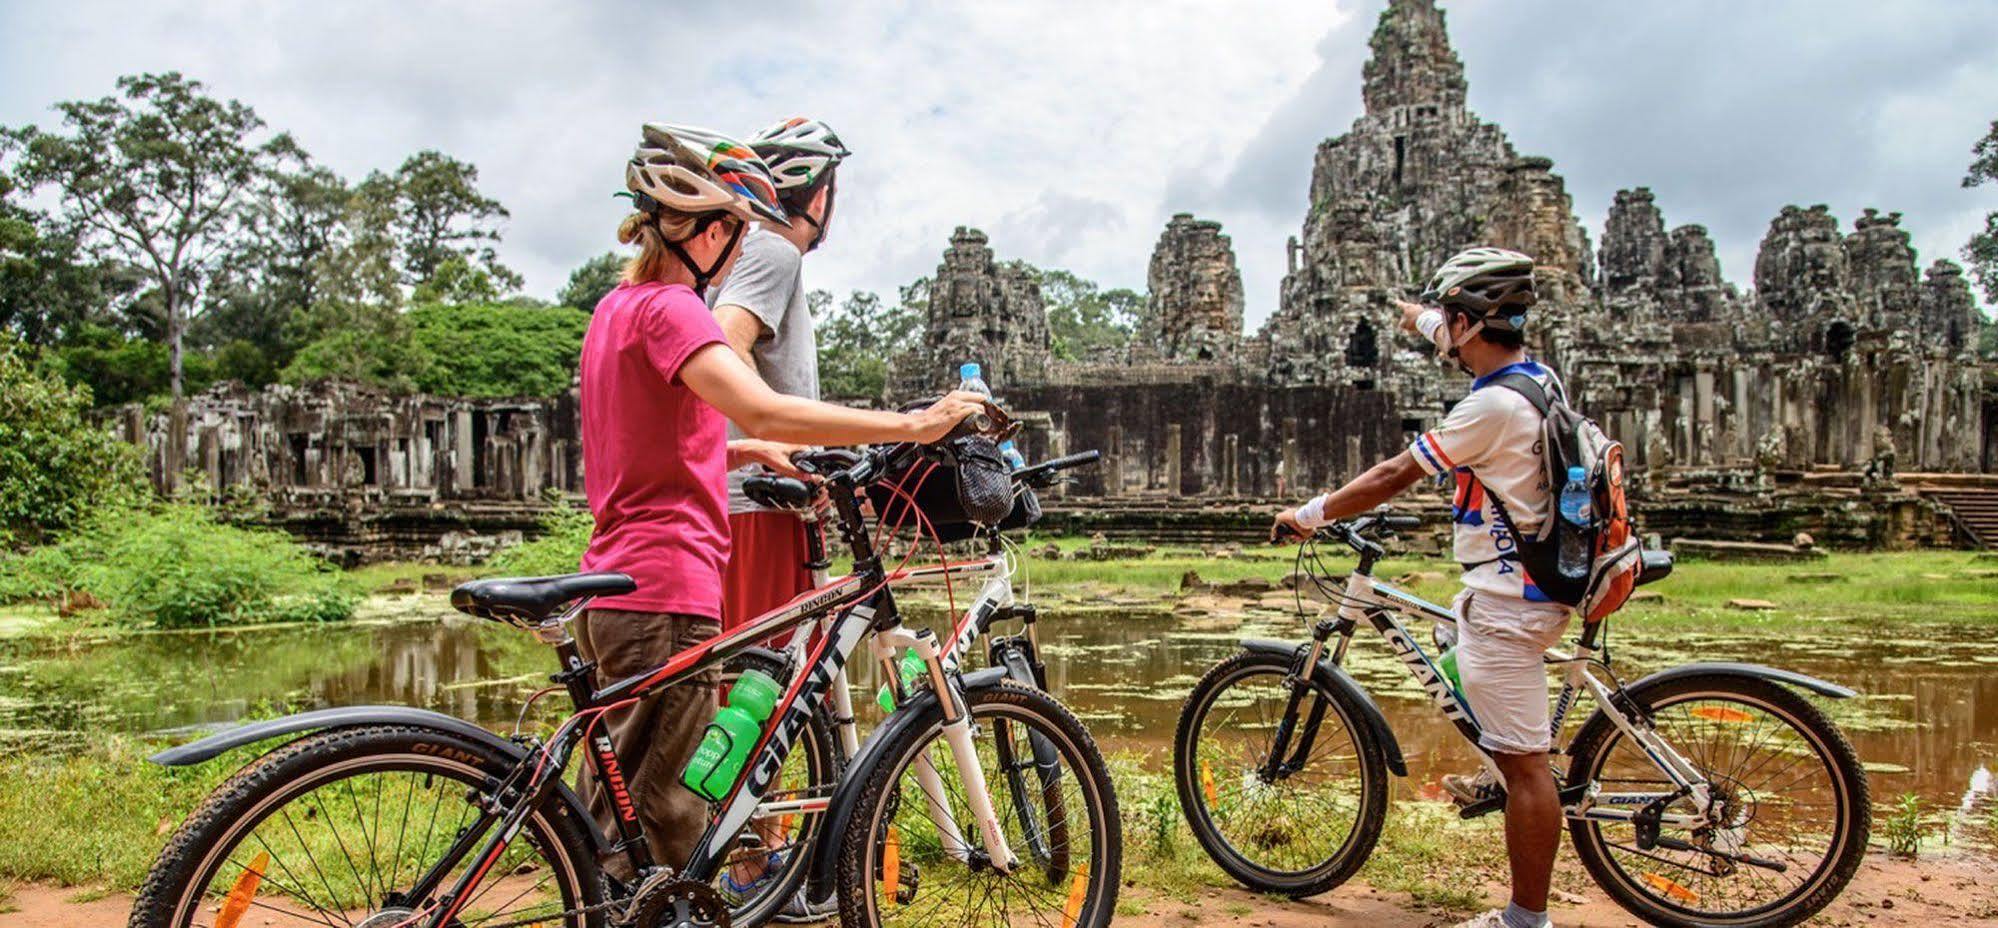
(1491, 285)
(801, 154)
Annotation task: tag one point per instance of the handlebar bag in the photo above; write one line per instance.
(970, 487)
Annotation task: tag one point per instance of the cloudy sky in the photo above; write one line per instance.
(1071, 130)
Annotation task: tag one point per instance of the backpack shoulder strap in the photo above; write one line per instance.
(1527, 386)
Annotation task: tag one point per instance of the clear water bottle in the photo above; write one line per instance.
(972, 378)
(1014, 459)
(1574, 554)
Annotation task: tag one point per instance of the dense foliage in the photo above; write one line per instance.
(565, 532)
(55, 467)
(176, 566)
(588, 283)
(185, 242)
(859, 337)
(1981, 252)
(455, 350)
(1086, 322)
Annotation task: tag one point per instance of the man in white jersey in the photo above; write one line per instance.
(1490, 444)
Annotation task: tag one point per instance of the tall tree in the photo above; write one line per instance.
(48, 286)
(294, 226)
(588, 283)
(155, 177)
(1981, 253)
(1086, 321)
(856, 341)
(438, 214)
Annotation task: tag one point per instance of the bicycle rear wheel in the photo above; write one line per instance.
(356, 827)
(897, 867)
(1789, 792)
(1297, 825)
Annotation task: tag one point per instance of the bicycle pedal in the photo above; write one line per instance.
(1482, 807)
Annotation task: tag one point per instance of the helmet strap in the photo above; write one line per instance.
(1476, 326)
(702, 277)
(818, 228)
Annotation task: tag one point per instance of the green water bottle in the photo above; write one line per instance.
(726, 744)
(910, 666)
(1448, 664)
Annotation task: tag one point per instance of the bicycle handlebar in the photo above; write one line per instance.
(1042, 474)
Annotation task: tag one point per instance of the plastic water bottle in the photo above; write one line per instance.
(911, 665)
(972, 378)
(1574, 554)
(1014, 459)
(725, 746)
(1448, 664)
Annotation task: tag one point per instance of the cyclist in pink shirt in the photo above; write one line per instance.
(659, 385)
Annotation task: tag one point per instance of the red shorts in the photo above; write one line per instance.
(766, 565)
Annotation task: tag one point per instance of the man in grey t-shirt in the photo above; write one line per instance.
(762, 311)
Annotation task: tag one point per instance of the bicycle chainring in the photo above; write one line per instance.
(675, 903)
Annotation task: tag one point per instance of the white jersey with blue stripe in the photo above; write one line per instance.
(1491, 444)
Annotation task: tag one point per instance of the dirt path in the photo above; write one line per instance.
(1952, 891)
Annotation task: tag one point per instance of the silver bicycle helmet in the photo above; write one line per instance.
(697, 170)
(1492, 285)
(801, 154)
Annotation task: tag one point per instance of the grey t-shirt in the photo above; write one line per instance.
(768, 280)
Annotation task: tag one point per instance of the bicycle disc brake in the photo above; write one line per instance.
(675, 903)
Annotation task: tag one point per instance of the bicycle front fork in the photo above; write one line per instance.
(958, 734)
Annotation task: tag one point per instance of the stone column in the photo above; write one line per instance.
(1113, 462)
(1231, 473)
(1172, 462)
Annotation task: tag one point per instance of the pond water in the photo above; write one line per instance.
(1927, 721)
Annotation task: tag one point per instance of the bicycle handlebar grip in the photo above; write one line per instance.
(1073, 460)
(778, 492)
(1402, 521)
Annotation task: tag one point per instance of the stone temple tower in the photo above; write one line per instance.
(1194, 312)
(980, 310)
(1417, 178)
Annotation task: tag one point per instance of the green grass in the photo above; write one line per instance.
(1944, 586)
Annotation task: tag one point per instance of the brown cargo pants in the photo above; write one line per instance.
(655, 738)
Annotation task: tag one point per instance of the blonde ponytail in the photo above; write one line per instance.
(652, 232)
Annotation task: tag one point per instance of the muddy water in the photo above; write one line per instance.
(1927, 721)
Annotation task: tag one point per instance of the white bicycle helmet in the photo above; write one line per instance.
(1492, 285)
(696, 170)
(801, 154)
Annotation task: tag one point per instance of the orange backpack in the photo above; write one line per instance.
(1571, 439)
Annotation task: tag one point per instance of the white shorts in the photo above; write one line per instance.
(1500, 640)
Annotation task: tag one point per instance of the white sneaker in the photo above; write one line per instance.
(800, 911)
(1495, 919)
(1471, 790)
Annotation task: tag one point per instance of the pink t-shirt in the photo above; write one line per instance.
(654, 454)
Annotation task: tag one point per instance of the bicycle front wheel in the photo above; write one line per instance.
(1296, 822)
(367, 826)
(904, 865)
(1782, 834)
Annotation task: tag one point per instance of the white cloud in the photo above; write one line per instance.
(1070, 131)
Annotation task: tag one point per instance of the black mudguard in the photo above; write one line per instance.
(1757, 671)
(921, 712)
(353, 717)
(1336, 678)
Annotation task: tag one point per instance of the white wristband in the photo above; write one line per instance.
(1429, 323)
(1312, 514)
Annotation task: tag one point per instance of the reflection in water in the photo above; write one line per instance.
(1928, 722)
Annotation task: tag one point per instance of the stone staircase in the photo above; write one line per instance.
(1975, 508)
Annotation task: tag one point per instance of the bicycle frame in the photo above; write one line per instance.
(1382, 605)
(849, 608)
